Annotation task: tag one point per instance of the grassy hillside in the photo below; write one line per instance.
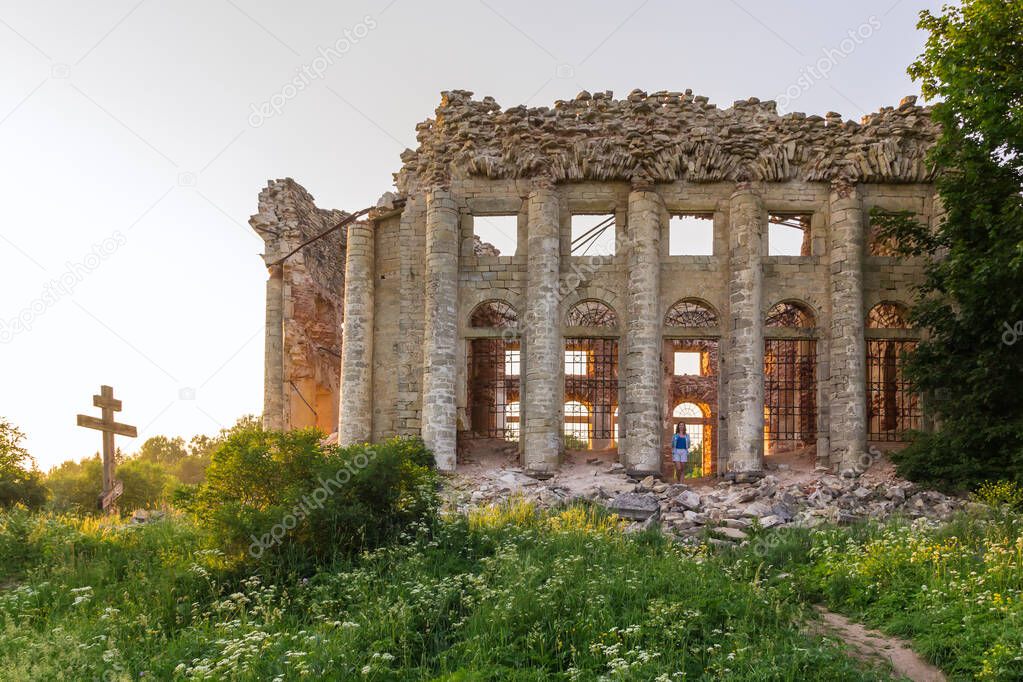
(365, 580)
(508, 594)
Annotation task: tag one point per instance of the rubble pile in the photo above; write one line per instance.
(727, 510)
(663, 137)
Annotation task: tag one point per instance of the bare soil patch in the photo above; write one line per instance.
(871, 645)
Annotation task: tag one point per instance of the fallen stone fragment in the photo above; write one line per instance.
(635, 506)
(690, 500)
(730, 533)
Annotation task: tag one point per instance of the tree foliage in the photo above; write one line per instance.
(163, 450)
(152, 476)
(20, 481)
(970, 367)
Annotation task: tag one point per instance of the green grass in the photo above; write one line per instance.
(503, 595)
(955, 589)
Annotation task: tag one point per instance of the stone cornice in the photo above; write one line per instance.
(664, 137)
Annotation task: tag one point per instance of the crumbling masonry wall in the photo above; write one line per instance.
(305, 294)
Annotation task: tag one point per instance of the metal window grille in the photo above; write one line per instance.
(887, 315)
(690, 314)
(493, 390)
(592, 314)
(892, 406)
(591, 379)
(790, 390)
(494, 314)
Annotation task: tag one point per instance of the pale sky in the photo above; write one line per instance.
(134, 140)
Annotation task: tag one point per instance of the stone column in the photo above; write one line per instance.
(355, 413)
(643, 373)
(273, 364)
(745, 367)
(440, 415)
(544, 364)
(847, 400)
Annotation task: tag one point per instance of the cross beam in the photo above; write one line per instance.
(112, 488)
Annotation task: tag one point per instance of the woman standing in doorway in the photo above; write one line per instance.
(680, 451)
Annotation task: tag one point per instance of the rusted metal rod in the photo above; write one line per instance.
(348, 219)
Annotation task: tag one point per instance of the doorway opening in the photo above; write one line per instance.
(790, 379)
(699, 427)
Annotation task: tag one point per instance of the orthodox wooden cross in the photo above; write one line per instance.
(112, 488)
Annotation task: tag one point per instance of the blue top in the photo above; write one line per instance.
(680, 442)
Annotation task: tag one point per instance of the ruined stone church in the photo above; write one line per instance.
(597, 329)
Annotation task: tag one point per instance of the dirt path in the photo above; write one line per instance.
(871, 645)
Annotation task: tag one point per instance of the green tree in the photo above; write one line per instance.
(146, 484)
(74, 486)
(163, 450)
(970, 368)
(20, 480)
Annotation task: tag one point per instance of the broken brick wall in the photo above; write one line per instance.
(313, 304)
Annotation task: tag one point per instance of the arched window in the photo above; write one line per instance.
(790, 314)
(893, 408)
(687, 410)
(493, 314)
(790, 377)
(574, 408)
(690, 313)
(887, 315)
(592, 314)
(577, 425)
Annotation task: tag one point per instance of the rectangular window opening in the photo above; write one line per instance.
(788, 234)
(593, 235)
(511, 363)
(688, 363)
(495, 235)
(576, 363)
(691, 234)
(876, 244)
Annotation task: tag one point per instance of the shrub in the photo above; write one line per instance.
(16, 550)
(1000, 493)
(285, 497)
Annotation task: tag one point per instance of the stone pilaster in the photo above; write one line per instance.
(544, 362)
(747, 222)
(273, 365)
(440, 416)
(847, 399)
(355, 414)
(643, 372)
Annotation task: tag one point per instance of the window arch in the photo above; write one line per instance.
(688, 410)
(592, 313)
(576, 409)
(494, 314)
(888, 315)
(792, 314)
(690, 312)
